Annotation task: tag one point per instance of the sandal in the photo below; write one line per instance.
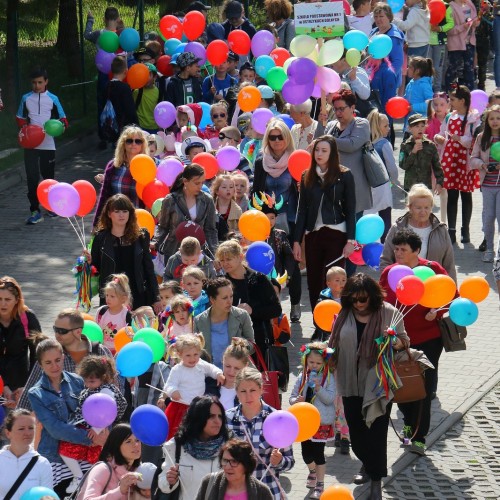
(311, 479)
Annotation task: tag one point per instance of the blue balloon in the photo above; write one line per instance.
(356, 39)
(134, 359)
(463, 312)
(380, 46)
(206, 189)
(149, 424)
(129, 39)
(263, 64)
(371, 254)
(260, 257)
(287, 119)
(170, 45)
(206, 119)
(38, 492)
(180, 48)
(2, 414)
(396, 5)
(369, 228)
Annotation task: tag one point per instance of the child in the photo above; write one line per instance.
(36, 108)
(116, 313)
(142, 489)
(316, 385)
(232, 65)
(99, 375)
(417, 27)
(167, 291)
(215, 86)
(187, 379)
(185, 87)
(363, 18)
(241, 188)
(193, 281)
(146, 99)
(419, 88)
(156, 147)
(253, 146)
(179, 317)
(223, 192)
(247, 73)
(219, 116)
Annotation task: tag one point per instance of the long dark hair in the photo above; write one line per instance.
(190, 172)
(462, 92)
(120, 202)
(487, 133)
(111, 449)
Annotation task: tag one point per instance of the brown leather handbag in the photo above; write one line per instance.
(412, 378)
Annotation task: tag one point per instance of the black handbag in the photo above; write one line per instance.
(365, 106)
(452, 335)
(375, 170)
(277, 360)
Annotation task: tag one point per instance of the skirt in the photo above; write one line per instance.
(89, 454)
(324, 434)
(174, 412)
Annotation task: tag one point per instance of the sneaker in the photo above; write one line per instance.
(336, 441)
(303, 272)
(34, 218)
(49, 213)
(482, 246)
(295, 313)
(418, 448)
(488, 256)
(73, 485)
(311, 480)
(344, 446)
(318, 490)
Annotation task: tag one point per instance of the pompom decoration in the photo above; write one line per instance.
(83, 273)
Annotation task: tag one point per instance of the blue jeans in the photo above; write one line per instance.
(496, 48)
(438, 55)
(418, 51)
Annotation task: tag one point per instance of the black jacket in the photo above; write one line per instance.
(247, 27)
(175, 91)
(121, 97)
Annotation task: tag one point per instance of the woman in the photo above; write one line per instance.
(246, 421)
(326, 214)
(117, 177)
(114, 476)
(222, 321)
(121, 246)
(253, 292)
(53, 399)
(194, 450)
(238, 463)
(186, 202)
(19, 429)
(363, 318)
(279, 13)
(17, 354)
(305, 127)
(436, 242)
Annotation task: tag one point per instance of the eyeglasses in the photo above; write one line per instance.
(136, 141)
(151, 142)
(361, 300)
(231, 462)
(144, 60)
(440, 94)
(341, 108)
(275, 137)
(63, 331)
(223, 136)
(220, 115)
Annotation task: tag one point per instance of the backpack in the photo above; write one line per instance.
(74, 495)
(103, 309)
(109, 124)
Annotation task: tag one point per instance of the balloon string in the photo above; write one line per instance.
(404, 315)
(83, 231)
(394, 312)
(175, 464)
(82, 235)
(74, 228)
(336, 260)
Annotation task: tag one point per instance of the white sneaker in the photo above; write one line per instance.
(488, 256)
(73, 485)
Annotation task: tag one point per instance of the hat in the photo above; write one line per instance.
(234, 9)
(417, 118)
(145, 51)
(244, 121)
(194, 112)
(173, 59)
(266, 92)
(185, 59)
(215, 31)
(247, 65)
(151, 67)
(147, 471)
(199, 6)
(192, 142)
(233, 57)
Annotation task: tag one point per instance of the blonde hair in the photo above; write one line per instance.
(238, 349)
(217, 182)
(420, 191)
(194, 272)
(334, 271)
(249, 374)
(222, 104)
(230, 248)
(385, 9)
(171, 285)
(191, 340)
(10, 284)
(129, 133)
(190, 246)
(280, 125)
(374, 118)
(240, 176)
(119, 283)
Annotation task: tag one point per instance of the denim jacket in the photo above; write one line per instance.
(54, 410)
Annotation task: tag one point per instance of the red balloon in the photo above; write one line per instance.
(209, 164)
(171, 27)
(437, 9)
(31, 136)
(397, 107)
(42, 192)
(357, 256)
(409, 290)
(239, 42)
(153, 191)
(299, 162)
(1, 385)
(280, 55)
(88, 197)
(194, 24)
(164, 67)
(217, 52)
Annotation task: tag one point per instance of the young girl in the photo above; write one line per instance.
(115, 314)
(187, 379)
(417, 27)
(167, 291)
(219, 116)
(316, 385)
(193, 281)
(456, 134)
(489, 172)
(179, 317)
(223, 192)
(99, 375)
(241, 187)
(419, 88)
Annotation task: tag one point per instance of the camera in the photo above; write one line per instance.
(492, 167)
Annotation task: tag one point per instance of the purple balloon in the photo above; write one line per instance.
(297, 94)
(103, 60)
(260, 119)
(64, 199)
(228, 157)
(478, 100)
(302, 70)
(262, 43)
(316, 91)
(198, 50)
(396, 273)
(99, 410)
(280, 429)
(168, 170)
(164, 114)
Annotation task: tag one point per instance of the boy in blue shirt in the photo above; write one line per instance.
(215, 86)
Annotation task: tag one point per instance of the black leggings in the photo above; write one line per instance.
(313, 452)
(452, 208)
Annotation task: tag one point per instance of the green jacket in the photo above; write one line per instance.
(446, 24)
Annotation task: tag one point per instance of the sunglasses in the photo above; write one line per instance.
(361, 300)
(275, 137)
(223, 136)
(63, 331)
(220, 115)
(137, 141)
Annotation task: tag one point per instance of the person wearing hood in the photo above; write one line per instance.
(188, 115)
(185, 87)
(417, 27)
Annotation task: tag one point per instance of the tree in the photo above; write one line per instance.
(11, 88)
(67, 36)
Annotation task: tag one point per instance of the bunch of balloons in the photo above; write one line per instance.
(369, 229)
(148, 187)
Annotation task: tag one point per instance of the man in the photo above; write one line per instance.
(236, 20)
(200, 7)
(185, 87)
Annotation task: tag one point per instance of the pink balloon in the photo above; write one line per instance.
(168, 170)
(228, 157)
(262, 43)
(99, 410)
(297, 94)
(328, 79)
(164, 114)
(478, 100)
(64, 199)
(316, 91)
(260, 119)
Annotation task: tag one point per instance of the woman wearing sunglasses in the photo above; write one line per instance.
(219, 116)
(117, 177)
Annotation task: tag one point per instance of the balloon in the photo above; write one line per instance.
(129, 39)
(154, 340)
(309, 419)
(170, 27)
(209, 164)
(168, 170)
(92, 331)
(330, 52)
(30, 136)
(2, 385)
(171, 46)
(371, 254)
(254, 225)
(206, 119)
(328, 79)
(297, 94)
(353, 57)
(474, 288)
(38, 492)
(287, 119)
(478, 100)
(153, 191)
(263, 64)
(396, 273)
(194, 24)
(495, 151)
(108, 41)
(239, 42)
(357, 256)
(53, 127)
(423, 272)
(437, 10)
(276, 77)
(337, 492)
(217, 52)
(149, 424)
(280, 55)
(134, 359)
(89, 317)
(324, 313)
(122, 338)
(103, 60)
(463, 312)
(439, 290)
(260, 257)
(380, 46)
(313, 55)
(64, 199)
(260, 119)
(228, 158)
(347, 7)
(396, 5)
(262, 43)
(409, 290)
(299, 161)
(302, 45)
(99, 410)
(397, 107)
(164, 114)
(355, 39)
(156, 207)
(145, 220)
(163, 65)
(369, 228)
(288, 62)
(2, 415)
(139, 188)
(280, 429)
(198, 50)
(302, 70)
(249, 98)
(143, 169)
(190, 228)
(42, 192)
(88, 197)
(137, 76)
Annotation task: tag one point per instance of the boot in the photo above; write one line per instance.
(453, 235)
(295, 313)
(376, 490)
(361, 477)
(465, 235)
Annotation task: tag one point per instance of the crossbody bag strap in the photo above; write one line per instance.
(21, 478)
(186, 216)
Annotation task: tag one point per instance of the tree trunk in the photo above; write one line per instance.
(67, 36)
(12, 69)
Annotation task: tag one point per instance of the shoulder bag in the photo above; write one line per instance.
(412, 379)
(375, 170)
(452, 335)
(271, 393)
(21, 478)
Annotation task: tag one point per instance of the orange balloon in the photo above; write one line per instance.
(474, 288)
(324, 313)
(299, 161)
(439, 290)
(337, 492)
(254, 225)
(89, 317)
(139, 189)
(209, 164)
(145, 219)
(123, 337)
(143, 169)
(137, 76)
(249, 98)
(309, 420)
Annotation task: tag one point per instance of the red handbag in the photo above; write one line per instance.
(271, 393)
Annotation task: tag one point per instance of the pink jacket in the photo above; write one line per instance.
(97, 479)
(457, 36)
(479, 157)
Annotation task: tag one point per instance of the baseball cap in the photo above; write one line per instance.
(247, 65)
(266, 92)
(185, 59)
(199, 6)
(233, 57)
(173, 59)
(416, 118)
(244, 121)
(145, 51)
(234, 9)
(151, 67)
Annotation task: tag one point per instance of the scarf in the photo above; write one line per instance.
(320, 173)
(204, 450)
(274, 167)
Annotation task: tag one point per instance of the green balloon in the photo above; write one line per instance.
(423, 272)
(276, 77)
(154, 340)
(108, 41)
(53, 127)
(495, 151)
(155, 209)
(92, 331)
(353, 57)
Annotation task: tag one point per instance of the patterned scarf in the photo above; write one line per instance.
(204, 450)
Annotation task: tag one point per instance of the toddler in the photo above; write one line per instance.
(179, 317)
(223, 192)
(193, 281)
(419, 88)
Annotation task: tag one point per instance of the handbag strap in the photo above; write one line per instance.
(21, 477)
(419, 418)
(210, 485)
(260, 359)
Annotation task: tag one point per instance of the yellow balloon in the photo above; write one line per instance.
(353, 57)
(313, 55)
(288, 62)
(331, 52)
(302, 45)
(309, 420)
